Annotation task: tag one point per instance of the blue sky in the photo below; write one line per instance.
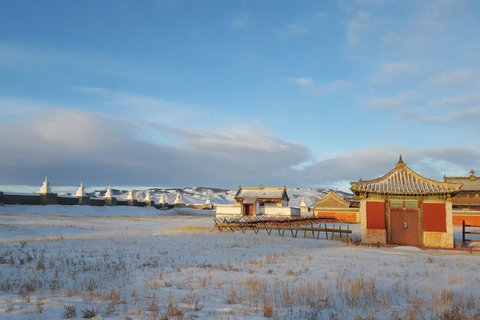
(221, 93)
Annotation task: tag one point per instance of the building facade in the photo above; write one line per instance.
(333, 206)
(405, 208)
(257, 201)
(253, 198)
(466, 203)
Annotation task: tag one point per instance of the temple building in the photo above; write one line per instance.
(257, 201)
(334, 206)
(251, 199)
(466, 203)
(405, 208)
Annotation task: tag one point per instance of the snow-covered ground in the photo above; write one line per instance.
(137, 263)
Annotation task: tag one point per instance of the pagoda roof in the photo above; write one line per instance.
(262, 193)
(470, 183)
(403, 181)
(332, 200)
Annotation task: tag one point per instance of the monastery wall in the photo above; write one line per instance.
(352, 216)
(471, 217)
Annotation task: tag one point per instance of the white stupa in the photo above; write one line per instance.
(130, 195)
(178, 199)
(45, 188)
(108, 193)
(81, 191)
(162, 200)
(303, 205)
(208, 204)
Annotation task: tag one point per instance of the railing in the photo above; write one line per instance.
(465, 232)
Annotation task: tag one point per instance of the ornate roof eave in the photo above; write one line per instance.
(415, 186)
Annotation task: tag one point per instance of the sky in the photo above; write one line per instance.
(173, 93)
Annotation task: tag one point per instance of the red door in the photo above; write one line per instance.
(248, 209)
(404, 226)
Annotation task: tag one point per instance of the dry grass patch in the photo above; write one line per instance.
(190, 229)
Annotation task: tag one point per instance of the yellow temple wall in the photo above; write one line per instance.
(375, 236)
(471, 217)
(351, 216)
(437, 239)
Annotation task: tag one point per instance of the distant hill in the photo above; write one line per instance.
(217, 196)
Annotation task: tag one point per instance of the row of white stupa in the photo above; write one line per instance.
(45, 189)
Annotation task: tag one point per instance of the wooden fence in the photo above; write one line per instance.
(307, 225)
(465, 233)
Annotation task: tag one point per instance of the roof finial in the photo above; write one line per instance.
(400, 163)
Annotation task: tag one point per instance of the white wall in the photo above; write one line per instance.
(282, 211)
(229, 210)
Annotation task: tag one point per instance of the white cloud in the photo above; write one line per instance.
(454, 118)
(392, 71)
(14, 56)
(358, 26)
(306, 82)
(309, 86)
(455, 78)
(145, 106)
(241, 20)
(72, 145)
(242, 137)
(459, 102)
(400, 100)
(373, 162)
(292, 30)
(37, 58)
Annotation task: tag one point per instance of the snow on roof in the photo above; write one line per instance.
(250, 201)
(261, 192)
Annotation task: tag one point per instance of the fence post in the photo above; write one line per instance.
(463, 233)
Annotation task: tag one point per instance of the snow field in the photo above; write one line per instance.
(170, 266)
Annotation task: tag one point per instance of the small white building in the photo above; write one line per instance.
(259, 201)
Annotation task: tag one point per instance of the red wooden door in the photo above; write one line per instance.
(404, 227)
(248, 209)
